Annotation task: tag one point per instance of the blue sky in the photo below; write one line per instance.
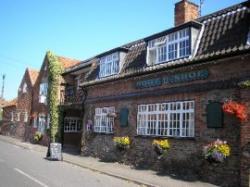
(77, 29)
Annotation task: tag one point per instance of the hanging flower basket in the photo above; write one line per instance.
(160, 146)
(244, 84)
(216, 151)
(237, 109)
(122, 143)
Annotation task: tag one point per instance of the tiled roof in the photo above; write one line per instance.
(12, 102)
(225, 32)
(68, 62)
(33, 74)
(2, 102)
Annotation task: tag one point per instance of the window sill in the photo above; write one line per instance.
(167, 61)
(107, 76)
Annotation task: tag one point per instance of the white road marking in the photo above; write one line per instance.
(30, 177)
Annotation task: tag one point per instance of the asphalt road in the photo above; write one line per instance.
(25, 168)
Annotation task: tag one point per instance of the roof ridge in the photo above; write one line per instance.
(223, 11)
(33, 74)
(69, 58)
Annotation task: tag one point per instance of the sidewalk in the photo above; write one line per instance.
(141, 177)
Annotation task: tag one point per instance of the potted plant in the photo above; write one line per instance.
(216, 151)
(37, 137)
(122, 143)
(161, 146)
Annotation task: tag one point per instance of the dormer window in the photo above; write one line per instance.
(109, 65)
(170, 47)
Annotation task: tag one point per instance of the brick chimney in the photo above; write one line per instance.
(185, 11)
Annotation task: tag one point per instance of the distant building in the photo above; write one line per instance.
(2, 104)
(8, 126)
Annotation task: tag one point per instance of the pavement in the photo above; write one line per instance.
(120, 171)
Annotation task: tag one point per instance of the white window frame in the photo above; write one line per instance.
(35, 122)
(161, 46)
(78, 82)
(171, 119)
(248, 38)
(41, 123)
(104, 122)
(12, 116)
(110, 65)
(43, 92)
(72, 124)
(25, 116)
(48, 121)
(24, 88)
(17, 116)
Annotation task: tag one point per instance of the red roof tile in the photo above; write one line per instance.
(33, 74)
(68, 62)
(2, 102)
(12, 102)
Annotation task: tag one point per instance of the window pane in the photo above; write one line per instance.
(166, 119)
(109, 65)
(103, 122)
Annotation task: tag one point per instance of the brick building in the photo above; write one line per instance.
(40, 114)
(18, 112)
(2, 104)
(8, 126)
(164, 86)
(24, 102)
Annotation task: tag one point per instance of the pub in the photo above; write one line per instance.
(175, 85)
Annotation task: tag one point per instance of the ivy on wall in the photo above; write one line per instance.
(54, 75)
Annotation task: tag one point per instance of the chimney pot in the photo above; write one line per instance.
(185, 11)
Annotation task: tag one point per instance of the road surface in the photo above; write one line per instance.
(25, 168)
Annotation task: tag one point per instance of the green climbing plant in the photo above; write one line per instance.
(54, 75)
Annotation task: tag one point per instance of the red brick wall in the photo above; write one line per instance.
(234, 67)
(24, 103)
(43, 76)
(185, 11)
(245, 141)
(37, 107)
